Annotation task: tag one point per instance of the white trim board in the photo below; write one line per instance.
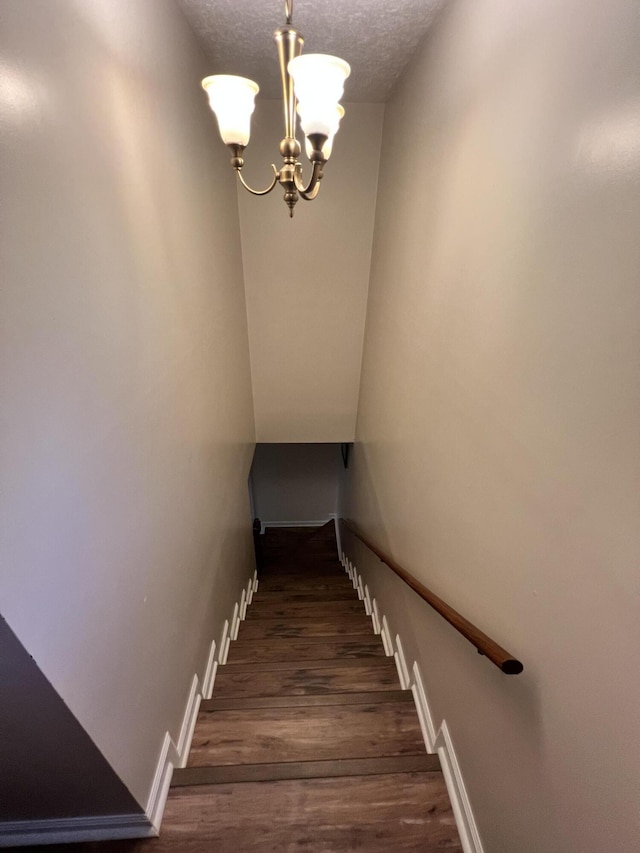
(188, 723)
(469, 835)
(443, 745)
(440, 741)
(375, 617)
(422, 707)
(243, 605)
(161, 782)
(387, 642)
(336, 524)
(176, 754)
(367, 601)
(210, 672)
(235, 622)
(401, 664)
(225, 642)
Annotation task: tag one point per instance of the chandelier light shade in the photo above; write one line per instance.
(233, 100)
(312, 86)
(328, 145)
(318, 82)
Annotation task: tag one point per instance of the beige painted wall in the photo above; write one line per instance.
(306, 281)
(127, 427)
(295, 482)
(497, 452)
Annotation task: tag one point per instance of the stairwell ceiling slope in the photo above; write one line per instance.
(376, 37)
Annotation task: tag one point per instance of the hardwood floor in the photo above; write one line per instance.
(312, 677)
(346, 814)
(308, 743)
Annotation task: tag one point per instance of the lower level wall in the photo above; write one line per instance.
(295, 483)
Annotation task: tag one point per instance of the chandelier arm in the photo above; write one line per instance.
(288, 10)
(312, 193)
(312, 188)
(259, 192)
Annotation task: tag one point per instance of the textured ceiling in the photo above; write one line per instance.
(377, 38)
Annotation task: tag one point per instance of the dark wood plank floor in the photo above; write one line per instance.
(313, 677)
(305, 734)
(376, 814)
(293, 652)
(308, 743)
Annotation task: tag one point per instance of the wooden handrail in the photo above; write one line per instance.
(485, 645)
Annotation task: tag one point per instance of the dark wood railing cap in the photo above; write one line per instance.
(484, 644)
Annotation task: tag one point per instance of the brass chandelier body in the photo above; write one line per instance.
(289, 43)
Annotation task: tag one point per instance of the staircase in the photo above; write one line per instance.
(309, 744)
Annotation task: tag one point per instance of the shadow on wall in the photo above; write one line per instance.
(295, 484)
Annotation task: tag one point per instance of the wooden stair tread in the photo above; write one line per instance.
(402, 813)
(311, 663)
(231, 774)
(307, 680)
(306, 587)
(323, 595)
(305, 701)
(262, 735)
(292, 653)
(304, 609)
(258, 629)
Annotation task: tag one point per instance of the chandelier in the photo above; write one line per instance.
(312, 86)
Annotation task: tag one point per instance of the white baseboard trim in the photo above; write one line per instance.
(422, 707)
(375, 616)
(385, 633)
(210, 672)
(315, 522)
(255, 581)
(439, 742)
(235, 622)
(243, 605)
(401, 664)
(249, 591)
(20, 833)
(336, 524)
(161, 782)
(367, 601)
(469, 836)
(225, 642)
(183, 745)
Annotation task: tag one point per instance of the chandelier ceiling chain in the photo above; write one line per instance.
(312, 86)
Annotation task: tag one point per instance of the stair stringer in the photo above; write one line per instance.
(436, 740)
(174, 753)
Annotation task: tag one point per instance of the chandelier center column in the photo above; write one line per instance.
(290, 43)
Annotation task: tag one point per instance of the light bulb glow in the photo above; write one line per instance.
(328, 145)
(318, 81)
(233, 100)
